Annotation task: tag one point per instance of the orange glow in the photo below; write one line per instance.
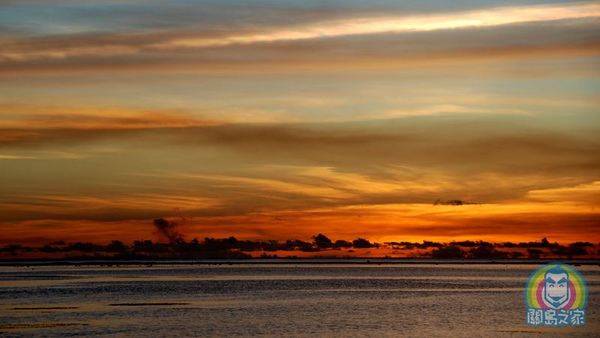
(412, 223)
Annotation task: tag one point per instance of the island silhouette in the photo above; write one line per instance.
(173, 245)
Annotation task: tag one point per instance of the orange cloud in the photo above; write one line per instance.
(40, 232)
(115, 207)
(25, 117)
(585, 194)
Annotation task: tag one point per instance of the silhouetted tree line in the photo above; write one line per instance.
(178, 248)
(487, 250)
(413, 245)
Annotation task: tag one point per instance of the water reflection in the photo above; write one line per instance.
(275, 300)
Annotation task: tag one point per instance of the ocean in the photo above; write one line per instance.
(277, 299)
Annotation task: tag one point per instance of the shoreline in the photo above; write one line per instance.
(284, 261)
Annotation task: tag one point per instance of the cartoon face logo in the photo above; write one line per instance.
(556, 295)
(556, 288)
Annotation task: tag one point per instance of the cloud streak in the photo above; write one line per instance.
(400, 24)
(118, 207)
(23, 117)
(129, 44)
(440, 143)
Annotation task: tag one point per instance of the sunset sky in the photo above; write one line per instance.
(282, 119)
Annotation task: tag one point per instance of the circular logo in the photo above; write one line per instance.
(556, 286)
(556, 295)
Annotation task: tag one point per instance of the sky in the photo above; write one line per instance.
(284, 119)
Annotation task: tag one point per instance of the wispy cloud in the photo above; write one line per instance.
(399, 24)
(15, 157)
(310, 186)
(449, 109)
(24, 117)
(44, 155)
(586, 194)
(91, 45)
(465, 143)
(118, 207)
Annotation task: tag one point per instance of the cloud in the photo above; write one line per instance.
(44, 155)
(301, 187)
(347, 27)
(470, 144)
(43, 231)
(15, 157)
(341, 44)
(400, 24)
(486, 143)
(270, 187)
(117, 207)
(450, 109)
(586, 194)
(18, 119)
(8, 136)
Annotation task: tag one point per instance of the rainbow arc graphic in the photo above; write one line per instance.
(577, 288)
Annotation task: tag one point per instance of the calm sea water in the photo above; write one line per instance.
(277, 300)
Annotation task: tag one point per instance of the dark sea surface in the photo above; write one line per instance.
(283, 299)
